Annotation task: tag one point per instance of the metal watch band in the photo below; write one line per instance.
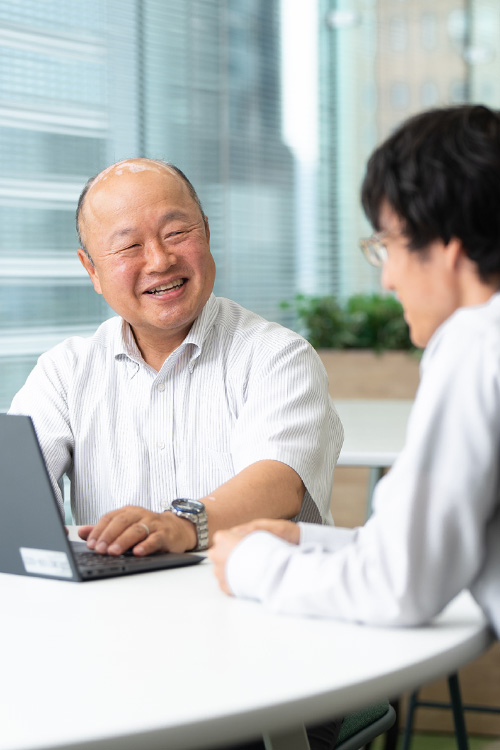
(201, 532)
(200, 520)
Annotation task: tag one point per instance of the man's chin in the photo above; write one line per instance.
(420, 341)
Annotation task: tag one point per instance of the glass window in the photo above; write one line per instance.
(398, 34)
(458, 24)
(55, 113)
(458, 92)
(428, 31)
(429, 94)
(400, 95)
(271, 107)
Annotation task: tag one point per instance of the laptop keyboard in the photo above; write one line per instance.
(92, 565)
(87, 559)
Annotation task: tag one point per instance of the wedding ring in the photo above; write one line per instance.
(146, 529)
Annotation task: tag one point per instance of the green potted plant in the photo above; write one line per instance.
(364, 344)
(364, 321)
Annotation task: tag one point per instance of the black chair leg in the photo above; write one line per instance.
(456, 707)
(392, 734)
(458, 712)
(410, 715)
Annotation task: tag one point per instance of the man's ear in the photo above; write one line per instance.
(90, 268)
(454, 253)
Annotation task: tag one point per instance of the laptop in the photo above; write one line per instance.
(33, 539)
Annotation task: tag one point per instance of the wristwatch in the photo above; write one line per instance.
(194, 511)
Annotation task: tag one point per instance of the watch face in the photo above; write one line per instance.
(188, 506)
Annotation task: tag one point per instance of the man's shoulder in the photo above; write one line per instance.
(469, 336)
(473, 323)
(107, 336)
(247, 326)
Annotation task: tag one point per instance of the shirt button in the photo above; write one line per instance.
(161, 386)
(161, 446)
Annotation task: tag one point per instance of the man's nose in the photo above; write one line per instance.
(159, 256)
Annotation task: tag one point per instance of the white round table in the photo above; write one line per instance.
(165, 660)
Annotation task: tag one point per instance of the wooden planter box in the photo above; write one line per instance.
(362, 373)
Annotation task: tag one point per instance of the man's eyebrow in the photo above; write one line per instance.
(169, 216)
(122, 233)
(173, 215)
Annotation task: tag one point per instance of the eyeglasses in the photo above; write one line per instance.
(374, 249)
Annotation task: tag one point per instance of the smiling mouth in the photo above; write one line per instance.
(167, 287)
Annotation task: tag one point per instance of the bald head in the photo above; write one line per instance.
(123, 168)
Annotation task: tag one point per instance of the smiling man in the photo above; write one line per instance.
(185, 413)
(432, 193)
(150, 256)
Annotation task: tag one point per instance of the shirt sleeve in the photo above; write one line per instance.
(44, 398)
(426, 538)
(325, 537)
(288, 416)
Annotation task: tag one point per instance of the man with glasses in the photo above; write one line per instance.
(432, 193)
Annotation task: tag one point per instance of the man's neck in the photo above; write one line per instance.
(156, 349)
(477, 292)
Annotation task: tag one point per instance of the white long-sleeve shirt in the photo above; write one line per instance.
(435, 529)
(238, 390)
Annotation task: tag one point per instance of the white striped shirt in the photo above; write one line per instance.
(238, 390)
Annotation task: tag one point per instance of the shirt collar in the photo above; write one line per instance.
(126, 349)
(438, 334)
(125, 344)
(201, 327)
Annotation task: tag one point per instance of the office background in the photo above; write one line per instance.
(271, 107)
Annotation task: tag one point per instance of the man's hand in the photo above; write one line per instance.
(146, 532)
(226, 541)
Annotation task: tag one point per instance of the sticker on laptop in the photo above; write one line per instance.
(46, 562)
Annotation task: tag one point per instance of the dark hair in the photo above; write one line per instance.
(440, 172)
(91, 180)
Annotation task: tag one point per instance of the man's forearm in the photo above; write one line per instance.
(266, 488)
(269, 489)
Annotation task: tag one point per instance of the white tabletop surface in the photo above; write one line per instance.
(374, 430)
(165, 659)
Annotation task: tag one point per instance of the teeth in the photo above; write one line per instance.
(166, 287)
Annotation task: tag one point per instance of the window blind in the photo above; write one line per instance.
(271, 107)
